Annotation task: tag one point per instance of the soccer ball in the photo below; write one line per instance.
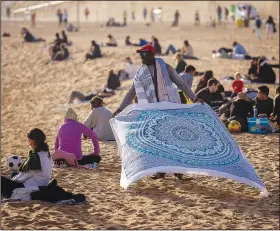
(14, 162)
(234, 126)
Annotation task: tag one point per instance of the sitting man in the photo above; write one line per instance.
(263, 102)
(210, 95)
(98, 120)
(94, 51)
(129, 71)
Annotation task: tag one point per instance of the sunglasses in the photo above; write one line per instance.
(143, 54)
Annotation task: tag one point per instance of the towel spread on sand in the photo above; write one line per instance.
(178, 138)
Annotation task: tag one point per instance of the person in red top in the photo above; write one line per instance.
(237, 85)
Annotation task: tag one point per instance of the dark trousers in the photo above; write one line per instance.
(7, 186)
(89, 159)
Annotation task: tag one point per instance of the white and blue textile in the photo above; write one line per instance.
(178, 138)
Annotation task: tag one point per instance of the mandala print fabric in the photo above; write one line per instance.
(177, 138)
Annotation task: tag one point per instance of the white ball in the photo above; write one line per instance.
(14, 162)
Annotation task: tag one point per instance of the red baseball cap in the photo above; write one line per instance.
(146, 48)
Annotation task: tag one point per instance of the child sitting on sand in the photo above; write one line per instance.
(69, 139)
(98, 119)
(237, 85)
(36, 170)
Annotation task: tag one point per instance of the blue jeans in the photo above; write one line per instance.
(172, 49)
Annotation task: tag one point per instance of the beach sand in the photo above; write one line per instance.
(34, 95)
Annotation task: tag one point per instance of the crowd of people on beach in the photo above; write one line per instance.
(236, 103)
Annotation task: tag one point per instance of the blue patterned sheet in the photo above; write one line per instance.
(177, 138)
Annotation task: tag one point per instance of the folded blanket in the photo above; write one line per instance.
(178, 138)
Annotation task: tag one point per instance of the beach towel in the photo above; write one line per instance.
(145, 89)
(178, 138)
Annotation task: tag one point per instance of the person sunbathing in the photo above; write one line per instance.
(98, 119)
(36, 170)
(69, 139)
(28, 37)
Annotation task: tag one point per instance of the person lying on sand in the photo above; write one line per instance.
(28, 37)
(186, 51)
(69, 139)
(98, 119)
(36, 170)
(94, 51)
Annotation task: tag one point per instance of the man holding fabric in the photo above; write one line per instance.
(153, 83)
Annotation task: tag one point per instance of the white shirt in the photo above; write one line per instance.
(39, 177)
(131, 70)
(98, 120)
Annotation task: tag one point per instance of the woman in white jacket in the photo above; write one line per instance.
(36, 170)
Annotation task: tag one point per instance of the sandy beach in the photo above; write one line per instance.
(34, 94)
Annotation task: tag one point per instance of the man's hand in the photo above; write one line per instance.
(116, 112)
(197, 100)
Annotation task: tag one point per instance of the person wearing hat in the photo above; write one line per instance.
(36, 170)
(98, 120)
(150, 70)
(153, 82)
(69, 139)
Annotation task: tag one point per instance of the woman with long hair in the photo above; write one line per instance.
(36, 170)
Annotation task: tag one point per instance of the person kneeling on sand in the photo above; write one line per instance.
(28, 37)
(98, 120)
(69, 139)
(36, 170)
(94, 51)
(113, 83)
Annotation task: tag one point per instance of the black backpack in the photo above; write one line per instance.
(258, 23)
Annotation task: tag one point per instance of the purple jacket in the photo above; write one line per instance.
(69, 138)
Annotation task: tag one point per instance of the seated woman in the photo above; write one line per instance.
(112, 41)
(265, 73)
(28, 37)
(69, 139)
(36, 170)
(94, 52)
(98, 120)
(113, 83)
(62, 54)
(65, 39)
(156, 45)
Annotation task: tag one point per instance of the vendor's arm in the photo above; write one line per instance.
(128, 98)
